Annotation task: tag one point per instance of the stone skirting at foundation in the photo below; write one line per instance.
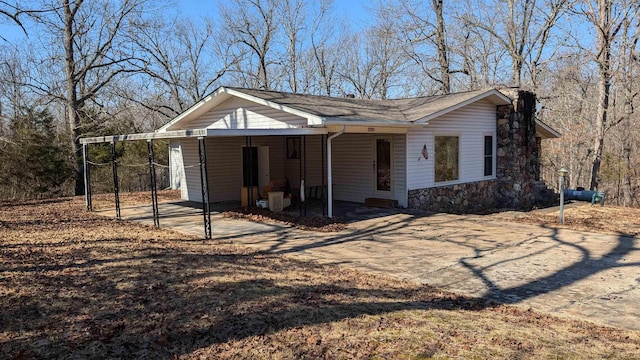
(475, 197)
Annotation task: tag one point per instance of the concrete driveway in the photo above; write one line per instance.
(582, 275)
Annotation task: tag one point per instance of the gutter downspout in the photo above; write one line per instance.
(330, 173)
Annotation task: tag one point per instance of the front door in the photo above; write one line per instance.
(382, 165)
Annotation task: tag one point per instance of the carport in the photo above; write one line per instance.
(204, 166)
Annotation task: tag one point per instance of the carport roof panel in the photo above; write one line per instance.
(180, 134)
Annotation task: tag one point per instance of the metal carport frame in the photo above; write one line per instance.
(201, 135)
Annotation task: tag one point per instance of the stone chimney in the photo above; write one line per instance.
(517, 154)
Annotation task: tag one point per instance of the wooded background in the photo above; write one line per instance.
(100, 67)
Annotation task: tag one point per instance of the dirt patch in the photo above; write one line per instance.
(76, 285)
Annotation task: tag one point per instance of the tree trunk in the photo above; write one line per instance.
(604, 67)
(442, 48)
(71, 99)
(626, 183)
(516, 75)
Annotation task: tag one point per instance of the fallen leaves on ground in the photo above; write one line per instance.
(77, 285)
(584, 217)
(312, 223)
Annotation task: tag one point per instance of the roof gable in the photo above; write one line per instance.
(322, 110)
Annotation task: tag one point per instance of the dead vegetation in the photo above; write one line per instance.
(583, 217)
(312, 223)
(76, 285)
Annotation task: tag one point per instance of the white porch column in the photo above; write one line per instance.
(330, 174)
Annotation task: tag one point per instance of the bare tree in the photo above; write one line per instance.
(13, 13)
(372, 62)
(92, 54)
(253, 25)
(479, 56)
(607, 18)
(568, 107)
(292, 16)
(522, 27)
(626, 75)
(323, 56)
(182, 59)
(423, 31)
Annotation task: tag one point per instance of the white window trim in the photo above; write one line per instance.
(494, 156)
(392, 158)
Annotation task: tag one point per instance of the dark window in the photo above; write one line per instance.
(488, 155)
(446, 160)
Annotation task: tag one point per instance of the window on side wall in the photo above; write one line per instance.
(446, 158)
(488, 156)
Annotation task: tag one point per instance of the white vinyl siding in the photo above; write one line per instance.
(224, 161)
(471, 123)
(176, 167)
(353, 168)
(237, 113)
(314, 163)
(191, 188)
(400, 169)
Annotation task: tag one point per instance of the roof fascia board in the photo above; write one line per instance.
(267, 132)
(502, 100)
(145, 136)
(311, 119)
(340, 121)
(191, 110)
(175, 134)
(554, 133)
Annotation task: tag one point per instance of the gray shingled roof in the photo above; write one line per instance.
(344, 108)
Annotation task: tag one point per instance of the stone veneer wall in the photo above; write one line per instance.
(517, 167)
(474, 197)
(518, 154)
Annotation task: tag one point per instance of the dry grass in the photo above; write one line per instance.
(76, 285)
(106, 201)
(584, 217)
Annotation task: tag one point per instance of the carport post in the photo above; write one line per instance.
(329, 174)
(204, 182)
(87, 177)
(322, 170)
(114, 168)
(301, 179)
(154, 191)
(304, 151)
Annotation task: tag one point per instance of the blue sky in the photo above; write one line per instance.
(353, 10)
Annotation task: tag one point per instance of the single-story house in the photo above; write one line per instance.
(463, 151)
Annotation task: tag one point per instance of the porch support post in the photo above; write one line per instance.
(324, 212)
(330, 173)
(250, 195)
(204, 182)
(87, 177)
(154, 191)
(300, 179)
(114, 168)
(304, 174)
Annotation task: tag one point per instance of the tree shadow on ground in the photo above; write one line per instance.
(126, 296)
(587, 265)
